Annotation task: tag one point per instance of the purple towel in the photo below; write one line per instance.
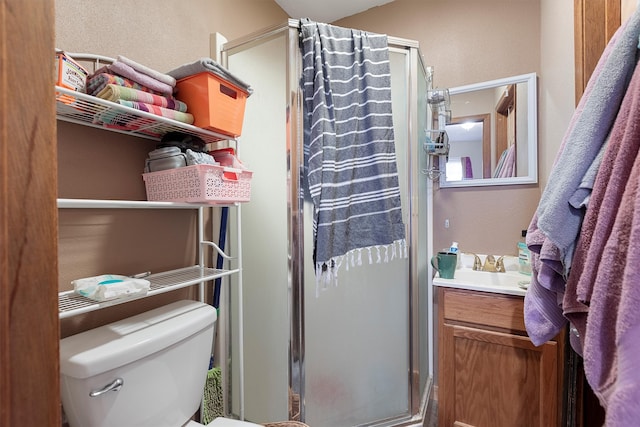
(599, 219)
(468, 168)
(607, 270)
(542, 303)
(611, 341)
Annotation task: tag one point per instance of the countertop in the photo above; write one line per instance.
(507, 283)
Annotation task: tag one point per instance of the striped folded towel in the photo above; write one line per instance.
(124, 70)
(97, 81)
(117, 93)
(117, 118)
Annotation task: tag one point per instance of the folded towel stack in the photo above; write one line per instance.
(137, 86)
(208, 65)
(117, 93)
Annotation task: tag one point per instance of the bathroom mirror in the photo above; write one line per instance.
(492, 134)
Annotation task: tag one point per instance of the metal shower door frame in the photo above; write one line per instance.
(295, 208)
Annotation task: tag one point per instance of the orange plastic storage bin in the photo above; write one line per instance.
(215, 103)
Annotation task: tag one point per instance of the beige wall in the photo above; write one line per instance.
(92, 163)
(556, 93)
(628, 7)
(466, 41)
(458, 37)
(161, 34)
(469, 41)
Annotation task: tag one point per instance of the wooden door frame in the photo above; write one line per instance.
(505, 107)
(29, 324)
(595, 21)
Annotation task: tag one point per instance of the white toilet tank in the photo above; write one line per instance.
(160, 358)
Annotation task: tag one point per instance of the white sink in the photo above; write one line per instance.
(510, 282)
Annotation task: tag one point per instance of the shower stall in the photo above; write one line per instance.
(352, 355)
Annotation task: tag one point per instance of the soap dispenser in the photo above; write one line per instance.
(524, 255)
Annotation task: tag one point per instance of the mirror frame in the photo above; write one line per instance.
(532, 133)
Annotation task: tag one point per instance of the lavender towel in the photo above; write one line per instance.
(580, 199)
(542, 302)
(541, 324)
(124, 70)
(143, 69)
(556, 217)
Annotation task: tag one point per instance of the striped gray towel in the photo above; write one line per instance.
(349, 148)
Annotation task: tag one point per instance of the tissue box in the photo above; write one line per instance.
(70, 75)
(110, 286)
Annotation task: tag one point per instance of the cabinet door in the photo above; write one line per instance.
(495, 379)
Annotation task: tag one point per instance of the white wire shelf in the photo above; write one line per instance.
(71, 304)
(80, 108)
(130, 204)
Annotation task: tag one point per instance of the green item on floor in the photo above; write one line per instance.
(213, 406)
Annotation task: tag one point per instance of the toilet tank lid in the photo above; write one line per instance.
(110, 346)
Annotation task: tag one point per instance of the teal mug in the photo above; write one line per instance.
(445, 263)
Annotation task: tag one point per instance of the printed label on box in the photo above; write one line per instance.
(71, 75)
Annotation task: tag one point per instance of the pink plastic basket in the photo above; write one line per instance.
(199, 184)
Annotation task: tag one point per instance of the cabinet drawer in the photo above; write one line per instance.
(494, 310)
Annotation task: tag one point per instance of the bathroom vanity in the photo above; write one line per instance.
(489, 371)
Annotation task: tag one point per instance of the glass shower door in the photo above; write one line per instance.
(357, 354)
(357, 334)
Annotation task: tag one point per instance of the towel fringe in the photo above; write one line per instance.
(327, 272)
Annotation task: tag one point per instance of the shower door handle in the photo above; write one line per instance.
(114, 386)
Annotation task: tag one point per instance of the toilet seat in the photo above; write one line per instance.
(223, 422)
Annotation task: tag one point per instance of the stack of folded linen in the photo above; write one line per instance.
(208, 65)
(134, 85)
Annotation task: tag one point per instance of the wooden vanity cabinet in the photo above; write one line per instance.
(490, 373)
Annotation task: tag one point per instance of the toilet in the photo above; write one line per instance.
(148, 370)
